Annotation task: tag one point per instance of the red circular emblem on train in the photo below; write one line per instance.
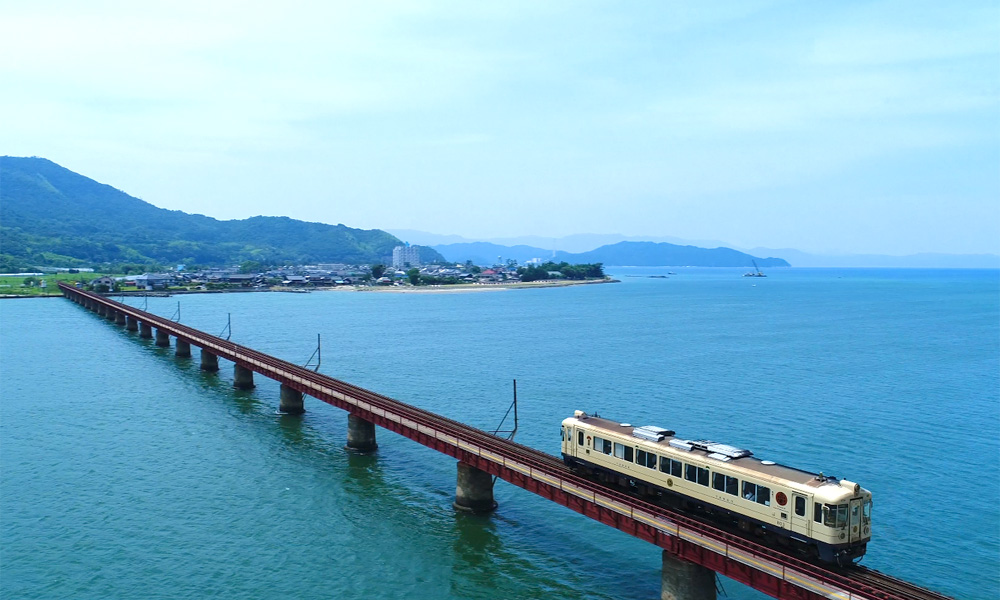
(781, 498)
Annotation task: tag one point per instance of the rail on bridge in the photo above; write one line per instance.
(690, 548)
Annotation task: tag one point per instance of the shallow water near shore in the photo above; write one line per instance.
(130, 473)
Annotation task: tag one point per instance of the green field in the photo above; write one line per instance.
(15, 286)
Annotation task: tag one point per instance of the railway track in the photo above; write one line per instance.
(861, 581)
(887, 587)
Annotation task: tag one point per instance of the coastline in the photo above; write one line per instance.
(408, 289)
(471, 287)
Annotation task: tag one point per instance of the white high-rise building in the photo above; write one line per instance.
(401, 255)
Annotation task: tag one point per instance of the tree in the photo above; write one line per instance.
(378, 270)
(414, 275)
(251, 266)
(511, 263)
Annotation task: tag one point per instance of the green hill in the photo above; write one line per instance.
(51, 216)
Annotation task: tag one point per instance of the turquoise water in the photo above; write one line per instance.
(129, 473)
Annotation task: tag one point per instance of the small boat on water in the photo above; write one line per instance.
(752, 273)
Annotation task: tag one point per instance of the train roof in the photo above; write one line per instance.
(728, 455)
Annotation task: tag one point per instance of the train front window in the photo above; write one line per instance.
(867, 513)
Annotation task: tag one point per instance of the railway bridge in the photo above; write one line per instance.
(692, 551)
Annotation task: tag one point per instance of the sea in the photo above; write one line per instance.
(129, 473)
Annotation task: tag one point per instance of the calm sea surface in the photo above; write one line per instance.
(128, 473)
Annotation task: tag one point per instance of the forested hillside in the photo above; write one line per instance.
(51, 216)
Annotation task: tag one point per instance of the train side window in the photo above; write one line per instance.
(836, 515)
(671, 466)
(817, 512)
(800, 506)
(763, 495)
(696, 474)
(725, 483)
(602, 445)
(646, 459)
(623, 451)
(579, 438)
(750, 491)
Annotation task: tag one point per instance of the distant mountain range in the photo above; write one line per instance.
(524, 248)
(641, 254)
(51, 216)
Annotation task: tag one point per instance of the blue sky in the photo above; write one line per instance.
(865, 127)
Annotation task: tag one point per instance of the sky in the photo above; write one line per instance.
(829, 127)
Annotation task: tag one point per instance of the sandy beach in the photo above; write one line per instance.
(464, 287)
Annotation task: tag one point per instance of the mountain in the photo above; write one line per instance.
(652, 254)
(522, 248)
(51, 216)
(643, 254)
(577, 242)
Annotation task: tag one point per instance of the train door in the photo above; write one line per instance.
(855, 519)
(800, 515)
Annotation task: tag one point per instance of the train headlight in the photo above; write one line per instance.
(843, 535)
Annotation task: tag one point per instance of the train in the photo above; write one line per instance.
(813, 515)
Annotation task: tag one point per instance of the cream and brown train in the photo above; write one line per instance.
(814, 515)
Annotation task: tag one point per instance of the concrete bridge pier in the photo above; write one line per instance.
(291, 401)
(683, 580)
(110, 314)
(145, 330)
(131, 324)
(242, 378)
(119, 318)
(360, 434)
(162, 338)
(99, 309)
(209, 361)
(183, 349)
(474, 491)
